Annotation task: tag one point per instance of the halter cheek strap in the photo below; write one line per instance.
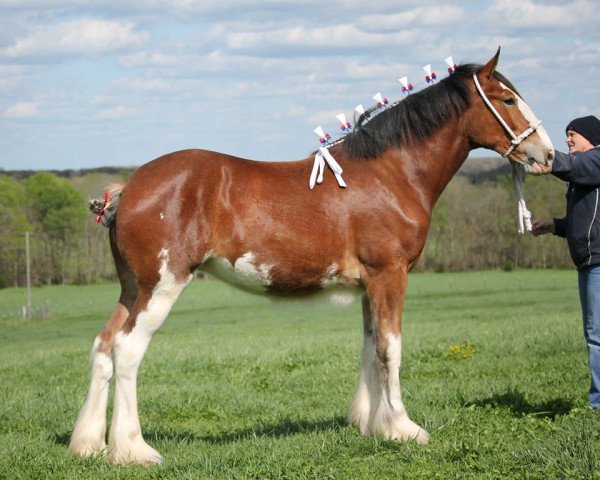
(516, 139)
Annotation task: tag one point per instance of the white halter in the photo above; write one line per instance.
(518, 171)
(516, 139)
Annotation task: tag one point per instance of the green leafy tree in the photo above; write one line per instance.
(58, 212)
(433, 253)
(474, 226)
(95, 262)
(13, 224)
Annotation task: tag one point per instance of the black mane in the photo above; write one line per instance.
(415, 118)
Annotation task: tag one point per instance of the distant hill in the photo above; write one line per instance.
(481, 169)
(71, 173)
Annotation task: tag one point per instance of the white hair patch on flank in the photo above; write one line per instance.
(245, 273)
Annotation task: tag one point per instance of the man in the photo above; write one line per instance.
(581, 227)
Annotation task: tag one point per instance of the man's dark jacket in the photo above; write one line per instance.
(581, 226)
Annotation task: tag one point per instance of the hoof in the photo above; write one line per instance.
(87, 447)
(138, 453)
(420, 435)
(402, 429)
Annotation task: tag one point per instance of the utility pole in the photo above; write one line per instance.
(28, 312)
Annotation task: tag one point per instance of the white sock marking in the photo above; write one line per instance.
(88, 437)
(125, 439)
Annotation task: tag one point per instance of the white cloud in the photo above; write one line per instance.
(144, 84)
(78, 37)
(146, 59)
(112, 113)
(375, 71)
(22, 110)
(11, 70)
(527, 13)
(340, 36)
(443, 15)
(12, 76)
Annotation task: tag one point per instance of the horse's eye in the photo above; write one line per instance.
(509, 101)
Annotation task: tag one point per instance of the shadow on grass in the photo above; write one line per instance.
(519, 406)
(61, 438)
(286, 427)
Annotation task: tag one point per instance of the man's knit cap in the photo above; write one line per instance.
(588, 127)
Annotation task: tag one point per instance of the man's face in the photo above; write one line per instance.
(577, 142)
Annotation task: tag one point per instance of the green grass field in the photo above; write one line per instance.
(234, 386)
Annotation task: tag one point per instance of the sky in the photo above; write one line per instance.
(92, 83)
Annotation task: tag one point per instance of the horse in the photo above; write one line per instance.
(258, 225)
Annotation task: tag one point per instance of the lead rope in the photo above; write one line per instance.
(524, 215)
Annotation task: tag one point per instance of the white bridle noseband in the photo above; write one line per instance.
(516, 139)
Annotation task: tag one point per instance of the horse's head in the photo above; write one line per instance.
(504, 122)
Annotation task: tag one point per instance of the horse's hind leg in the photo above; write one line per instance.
(125, 442)
(88, 437)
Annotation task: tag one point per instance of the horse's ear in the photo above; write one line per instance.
(490, 67)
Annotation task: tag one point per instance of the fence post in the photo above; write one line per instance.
(28, 275)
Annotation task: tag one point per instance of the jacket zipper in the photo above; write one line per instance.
(590, 230)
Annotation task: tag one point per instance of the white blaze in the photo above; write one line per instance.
(525, 109)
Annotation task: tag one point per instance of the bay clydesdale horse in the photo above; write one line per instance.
(258, 226)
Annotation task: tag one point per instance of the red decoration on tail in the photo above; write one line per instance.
(104, 207)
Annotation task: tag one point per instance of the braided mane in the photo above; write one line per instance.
(415, 118)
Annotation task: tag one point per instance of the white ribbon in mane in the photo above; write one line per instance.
(316, 176)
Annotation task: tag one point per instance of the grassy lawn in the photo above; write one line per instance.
(234, 386)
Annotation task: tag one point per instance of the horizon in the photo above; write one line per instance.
(496, 162)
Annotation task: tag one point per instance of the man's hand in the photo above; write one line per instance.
(535, 169)
(542, 227)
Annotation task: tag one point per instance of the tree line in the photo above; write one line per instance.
(66, 246)
(473, 228)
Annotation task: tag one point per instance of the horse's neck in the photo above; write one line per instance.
(428, 167)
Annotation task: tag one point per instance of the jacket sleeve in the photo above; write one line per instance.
(582, 168)
(560, 227)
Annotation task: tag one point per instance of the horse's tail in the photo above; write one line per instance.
(107, 209)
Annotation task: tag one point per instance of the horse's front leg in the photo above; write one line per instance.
(378, 408)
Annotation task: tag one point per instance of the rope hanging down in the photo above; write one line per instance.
(523, 215)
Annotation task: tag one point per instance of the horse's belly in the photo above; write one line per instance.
(247, 274)
(244, 273)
